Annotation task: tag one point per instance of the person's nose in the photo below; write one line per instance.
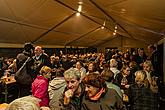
(86, 88)
(70, 85)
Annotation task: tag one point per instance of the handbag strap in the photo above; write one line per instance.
(24, 63)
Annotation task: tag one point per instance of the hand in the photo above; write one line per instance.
(45, 108)
(127, 86)
(68, 93)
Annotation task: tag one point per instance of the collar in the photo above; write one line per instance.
(37, 57)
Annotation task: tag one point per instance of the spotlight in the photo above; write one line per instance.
(116, 27)
(78, 14)
(102, 27)
(114, 33)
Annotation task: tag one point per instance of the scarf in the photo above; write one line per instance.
(97, 96)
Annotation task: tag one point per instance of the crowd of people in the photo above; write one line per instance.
(113, 80)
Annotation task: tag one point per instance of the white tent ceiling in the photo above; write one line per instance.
(54, 23)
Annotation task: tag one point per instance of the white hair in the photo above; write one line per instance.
(24, 103)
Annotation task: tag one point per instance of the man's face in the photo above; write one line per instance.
(126, 71)
(149, 50)
(78, 65)
(72, 83)
(139, 78)
(91, 90)
(64, 58)
(52, 58)
(141, 52)
(37, 51)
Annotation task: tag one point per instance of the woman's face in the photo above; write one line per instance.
(126, 71)
(146, 67)
(72, 83)
(48, 74)
(91, 90)
(90, 67)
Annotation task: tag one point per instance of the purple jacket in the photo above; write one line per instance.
(40, 90)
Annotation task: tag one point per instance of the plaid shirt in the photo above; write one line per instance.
(142, 98)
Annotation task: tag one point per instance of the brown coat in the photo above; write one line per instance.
(109, 101)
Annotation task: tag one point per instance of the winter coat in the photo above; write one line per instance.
(114, 70)
(115, 87)
(40, 90)
(56, 88)
(75, 103)
(108, 101)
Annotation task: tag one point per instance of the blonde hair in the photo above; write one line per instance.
(113, 63)
(143, 76)
(45, 70)
(149, 64)
(142, 73)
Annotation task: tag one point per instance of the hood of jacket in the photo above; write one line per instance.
(57, 83)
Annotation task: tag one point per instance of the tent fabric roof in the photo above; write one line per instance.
(54, 22)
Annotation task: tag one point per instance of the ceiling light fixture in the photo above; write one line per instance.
(102, 27)
(78, 14)
(116, 27)
(79, 8)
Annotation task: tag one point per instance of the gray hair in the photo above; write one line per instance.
(71, 73)
(24, 103)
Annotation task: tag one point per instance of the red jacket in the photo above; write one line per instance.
(40, 90)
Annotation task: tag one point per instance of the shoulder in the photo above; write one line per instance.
(110, 93)
(21, 56)
(44, 55)
(40, 81)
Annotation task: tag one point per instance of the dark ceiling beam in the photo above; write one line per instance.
(53, 28)
(86, 16)
(67, 44)
(23, 24)
(65, 5)
(96, 21)
(111, 18)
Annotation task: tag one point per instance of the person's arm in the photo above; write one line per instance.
(62, 105)
(119, 102)
(41, 92)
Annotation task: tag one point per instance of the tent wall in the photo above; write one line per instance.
(164, 61)
(123, 43)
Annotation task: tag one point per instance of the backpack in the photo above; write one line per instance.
(21, 76)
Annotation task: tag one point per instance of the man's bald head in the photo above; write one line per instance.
(38, 50)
